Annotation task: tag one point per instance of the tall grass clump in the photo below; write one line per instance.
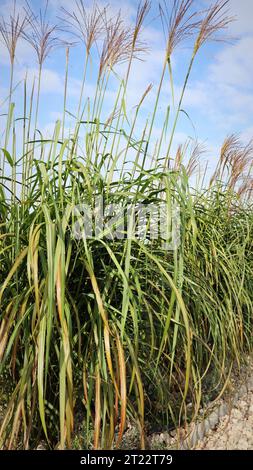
(109, 330)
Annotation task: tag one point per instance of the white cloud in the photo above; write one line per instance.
(222, 106)
(127, 8)
(196, 96)
(224, 95)
(4, 55)
(51, 81)
(247, 135)
(24, 53)
(234, 64)
(243, 12)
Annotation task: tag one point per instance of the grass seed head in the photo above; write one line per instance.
(41, 35)
(194, 160)
(11, 30)
(87, 26)
(122, 43)
(179, 22)
(142, 12)
(216, 20)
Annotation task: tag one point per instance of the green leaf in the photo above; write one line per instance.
(8, 157)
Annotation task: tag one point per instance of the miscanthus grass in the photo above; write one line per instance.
(109, 329)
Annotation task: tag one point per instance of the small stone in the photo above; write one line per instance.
(242, 404)
(213, 420)
(42, 446)
(236, 414)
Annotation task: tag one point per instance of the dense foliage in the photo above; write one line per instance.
(116, 329)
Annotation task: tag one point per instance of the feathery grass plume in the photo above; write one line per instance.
(146, 92)
(193, 163)
(114, 115)
(114, 46)
(240, 162)
(121, 43)
(234, 163)
(142, 12)
(179, 23)
(245, 190)
(215, 21)
(230, 147)
(11, 31)
(194, 160)
(87, 26)
(179, 158)
(138, 47)
(42, 36)
(227, 149)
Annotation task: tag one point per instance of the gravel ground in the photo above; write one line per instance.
(225, 424)
(234, 431)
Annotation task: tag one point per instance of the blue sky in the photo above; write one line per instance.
(219, 99)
